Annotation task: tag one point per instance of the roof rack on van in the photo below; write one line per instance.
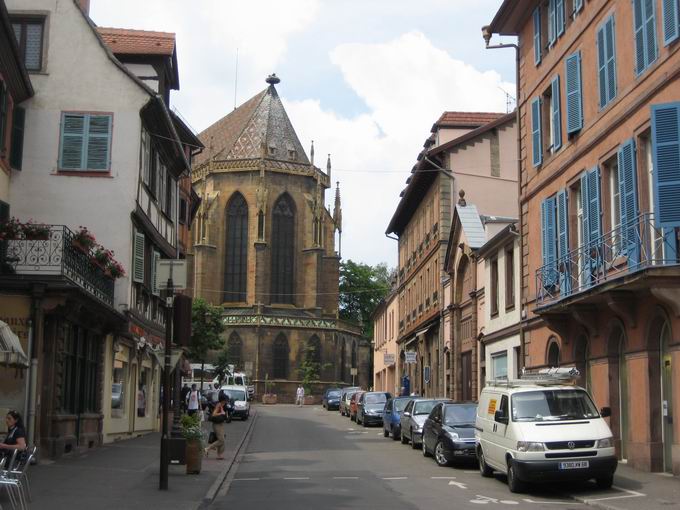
(543, 377)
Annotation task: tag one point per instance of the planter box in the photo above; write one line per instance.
(194, 456)
(311, 400)
(269, 398)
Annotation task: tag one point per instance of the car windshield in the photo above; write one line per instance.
(457, 415)
(117, 388)
(424, 407)
(239, 381)
(236, 394)
(552, 405)
(400, 404)
(375, 398)
(348, 396)
(334, 394)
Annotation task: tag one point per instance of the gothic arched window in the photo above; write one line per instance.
(283, 249)
(236, 250)
(354, 354)
(280, 357)
(235, 350)
(554, 354)
(343, 355)
(314, 349)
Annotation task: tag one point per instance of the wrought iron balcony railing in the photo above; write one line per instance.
(58, 255)
(631, 247)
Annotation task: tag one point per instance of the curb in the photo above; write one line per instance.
(217, 484)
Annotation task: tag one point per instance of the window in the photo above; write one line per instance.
(628, 201)
(577, 6)
(280, 357)
(606, 61)
(236, 250)
(16, 154)
(85, 141)
(235, 350)
(574, 101)
(590, 202)
(183, 219)
(644, 25)
(555, 20)
(494, 287)
(615, 202)
(29, 34)
(283, 250)
(79, 365)
(119, 385)
(509, 277)
(499, 365)
(536, 136)
(555, 115)
(671, 20)
(554, 355)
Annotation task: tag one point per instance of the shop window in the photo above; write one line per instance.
(143, 392)
(119, 385)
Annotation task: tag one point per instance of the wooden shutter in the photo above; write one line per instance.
(146, 157)
(536, 138)
(644, 24)
(629, 202)
(602, 66)
(138, 258)
(559, 16)
(17, 147)
(154, 280)
(573, 92)
(666, 153)
(594, 210)
(671, 21)
(650, 31)
(537, 35)
(610, 57)
(98, 142)
(72, 142)
(548, 237)
(552, 26)
(556, 113)
(563, 242)
(578, 5)
(585, 201)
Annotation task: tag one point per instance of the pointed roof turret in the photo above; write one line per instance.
(259, 123)
(337, 210)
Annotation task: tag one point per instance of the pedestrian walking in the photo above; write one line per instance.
(141, 401)
(183, 396)
(193, 399)
(218, 419)
(16, 435)
(300, 395)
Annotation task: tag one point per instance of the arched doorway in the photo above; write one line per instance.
(553, 353)
(618, 388)
(582, 360)
(666, 398)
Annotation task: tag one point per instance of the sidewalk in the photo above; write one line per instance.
(124, 475)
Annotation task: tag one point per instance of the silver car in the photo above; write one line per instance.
(413, 418)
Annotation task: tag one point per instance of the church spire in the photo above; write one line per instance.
(311, 153)
(337, 217)
(328, 168)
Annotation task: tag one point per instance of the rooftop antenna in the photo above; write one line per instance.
(236, 78)
(508, 100)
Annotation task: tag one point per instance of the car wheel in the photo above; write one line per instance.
(439, 455)
(352, 418)
(484, 468)
(424, 448)
(414, 445)
(514, 484)
(395, 435)
(386, 433)
(245, 417)
(363, 422)
(404, 439)
(605, 482)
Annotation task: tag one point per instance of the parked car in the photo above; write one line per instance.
(331, 399)
(413, 418)
(353, 404)
(392, 416)
(239, 400)
(370, 407)
(345, 395)
(449, 433)
(542, 430)
(241, 379)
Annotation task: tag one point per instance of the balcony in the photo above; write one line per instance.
(56, 255)
(611, 259)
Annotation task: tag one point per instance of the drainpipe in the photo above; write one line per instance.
(32, 375)
(486, 35)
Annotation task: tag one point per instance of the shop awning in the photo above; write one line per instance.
(11, 352)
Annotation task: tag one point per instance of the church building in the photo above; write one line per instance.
(264, 249)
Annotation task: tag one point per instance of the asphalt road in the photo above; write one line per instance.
(308, 459)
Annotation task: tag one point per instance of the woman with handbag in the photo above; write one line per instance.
(218, 418)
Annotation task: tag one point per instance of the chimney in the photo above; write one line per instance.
(85, 6)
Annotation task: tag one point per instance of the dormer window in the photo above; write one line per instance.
(272, 150)
(292, 154)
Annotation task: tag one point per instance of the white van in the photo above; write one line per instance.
(241, 379)
(543, 428)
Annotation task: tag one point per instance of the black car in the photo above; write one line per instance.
(331, 399)
(370, 407)
(449, 433)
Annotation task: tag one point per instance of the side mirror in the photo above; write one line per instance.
(500, 418)
(406, 413)
(606, 412)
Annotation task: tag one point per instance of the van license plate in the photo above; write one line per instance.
(579, 464)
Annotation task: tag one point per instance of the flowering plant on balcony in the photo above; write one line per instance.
(115, 269)
(35, 231)
(83, 240)
(10, 229)
(102, 257)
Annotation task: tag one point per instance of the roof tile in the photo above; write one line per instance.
(123, 41)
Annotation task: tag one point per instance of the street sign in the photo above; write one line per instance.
(353, 371)
(410, 356)
(389, 359)
(179, 273)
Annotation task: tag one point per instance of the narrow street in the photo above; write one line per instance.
(314, 459)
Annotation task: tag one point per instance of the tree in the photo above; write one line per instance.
(361, 288)
(206, 331)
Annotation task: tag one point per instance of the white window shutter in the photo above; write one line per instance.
(154, 265)
(138, 258)
(146, 157)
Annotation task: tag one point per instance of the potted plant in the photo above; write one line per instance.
(10, 229)
(190, 428)
(115, 269)
(268, 397)
(35, 231)
(83, 240)
(102, 257)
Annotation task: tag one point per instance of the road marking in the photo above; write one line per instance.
(629, 494)
(471, 471)
(542, 502)
(345, 478)
(396, 478)
(358, 432)
(485, 500)
(460, 485)
(297, 478)
(442, 478)
(245, 479)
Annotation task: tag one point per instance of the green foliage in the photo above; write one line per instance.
(206, 329)
(190, 427)
(361, 289)
(310, 368)
(223, 361)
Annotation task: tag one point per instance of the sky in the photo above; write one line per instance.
(364, 79)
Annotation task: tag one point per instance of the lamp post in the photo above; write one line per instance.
(165, 437)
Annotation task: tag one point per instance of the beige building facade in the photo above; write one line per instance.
(385, 348)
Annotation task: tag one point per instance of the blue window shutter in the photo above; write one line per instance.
(585, 202)
(602, 66)
(610, 54)
(594, 210)
(559, 16)
(72, 151)
(666, 153)
(563, 242)
(549, 241)
(644, 19)
(573, 92)
(552, 28)
(578, 5)
(98, 142)
(671, 21)
(536, 138)
(537, 35)
(556, 114)
(650, 31)
(629, 201)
